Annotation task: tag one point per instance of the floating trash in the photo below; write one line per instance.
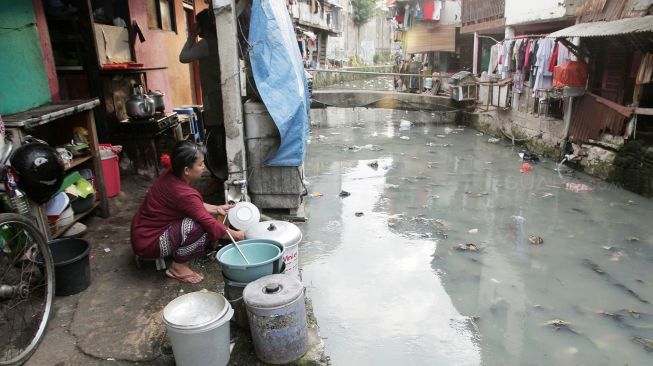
(535, 240)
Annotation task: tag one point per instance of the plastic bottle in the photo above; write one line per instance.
(19, 202)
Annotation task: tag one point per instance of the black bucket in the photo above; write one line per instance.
(72, 268)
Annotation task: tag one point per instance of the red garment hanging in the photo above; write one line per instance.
(429, 9)
(554, 57)
(527, 58)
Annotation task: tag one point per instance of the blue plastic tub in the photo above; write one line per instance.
(262, 255)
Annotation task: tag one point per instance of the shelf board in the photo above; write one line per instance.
(76, 161)
(76, 218)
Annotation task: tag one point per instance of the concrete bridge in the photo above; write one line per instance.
(347, 98)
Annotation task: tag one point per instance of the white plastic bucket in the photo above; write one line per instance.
(206, 344)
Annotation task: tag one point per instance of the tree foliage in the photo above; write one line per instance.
(363, 11)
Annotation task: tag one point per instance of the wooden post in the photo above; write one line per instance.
(227, 26)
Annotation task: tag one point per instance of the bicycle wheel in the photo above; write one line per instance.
(26, 288)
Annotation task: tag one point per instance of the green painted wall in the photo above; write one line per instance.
(23, 81)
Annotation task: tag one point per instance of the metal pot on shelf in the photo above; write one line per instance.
(139, 104)
(157, 96)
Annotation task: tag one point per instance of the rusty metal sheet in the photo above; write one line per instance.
(474, 11)
(603, 29)
(596, 10)
(590, 118)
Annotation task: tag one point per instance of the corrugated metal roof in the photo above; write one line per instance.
(603, 29)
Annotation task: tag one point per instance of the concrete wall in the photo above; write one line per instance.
(523, 12)
(540, 134)
(161, 49)
(23, 78)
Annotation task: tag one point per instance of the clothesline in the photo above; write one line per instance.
(524, 36)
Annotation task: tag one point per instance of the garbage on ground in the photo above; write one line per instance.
(316, 194)
(467, 247)
(632, 238)
(578, 187)
(473, 231)
(441, 136)
(344, 194)
(480, 134)
(493, 140)
(405, 138)
(370, 147)
(526, 168)
(433, 144)
(479, 194)
(404, 124)
(359, 214)
(373, 164)
(528, 156)
(535, 240)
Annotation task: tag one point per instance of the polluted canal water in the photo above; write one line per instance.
(444, 253)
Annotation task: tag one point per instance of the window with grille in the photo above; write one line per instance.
(161, 15)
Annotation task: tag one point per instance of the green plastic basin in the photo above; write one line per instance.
(261, 255)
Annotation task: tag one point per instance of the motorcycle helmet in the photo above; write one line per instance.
(39, 171)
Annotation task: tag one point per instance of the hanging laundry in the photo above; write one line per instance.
(518, 82)
(563, 54)
(554, 57)
(428, 9)
(419, 10)
(543, 77)
(527, 54)
(437, 10)
(494, 59)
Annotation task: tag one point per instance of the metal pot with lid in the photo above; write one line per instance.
(285, 233)
(157, 97)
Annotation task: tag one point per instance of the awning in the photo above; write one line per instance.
(427, 39)
(604, 29)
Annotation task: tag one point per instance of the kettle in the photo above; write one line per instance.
(139, 104)
(157, 97)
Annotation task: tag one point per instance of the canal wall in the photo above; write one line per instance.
(627, 165)
(539, 134)
(322, 79)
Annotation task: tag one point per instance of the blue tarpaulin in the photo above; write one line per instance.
(280, 78)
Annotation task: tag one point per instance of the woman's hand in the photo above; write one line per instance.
(224, 209)
(237, 235)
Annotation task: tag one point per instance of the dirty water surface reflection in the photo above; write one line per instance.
(443, 253)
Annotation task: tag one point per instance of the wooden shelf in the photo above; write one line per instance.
(76, 218)
(76, 161)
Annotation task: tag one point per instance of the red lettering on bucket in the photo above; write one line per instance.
(289, 258)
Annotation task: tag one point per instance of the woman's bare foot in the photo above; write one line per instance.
(183, 273)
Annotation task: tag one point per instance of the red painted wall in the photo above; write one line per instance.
(161, 49)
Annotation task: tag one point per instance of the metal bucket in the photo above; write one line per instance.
(286, 233)
(198, 328)
(277, 318)
(233, 292)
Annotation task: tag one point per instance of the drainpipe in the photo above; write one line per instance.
(226, 26)
(475, 58)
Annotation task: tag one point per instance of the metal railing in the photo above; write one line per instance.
(372, 80)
